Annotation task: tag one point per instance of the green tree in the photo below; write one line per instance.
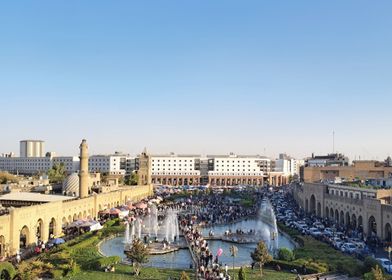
(241, 274)
(6, 177)
(57, 173)
(184, 276)
(261, 256)
(138, 254)
(132, 179)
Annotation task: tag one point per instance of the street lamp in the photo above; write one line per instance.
(233, 251)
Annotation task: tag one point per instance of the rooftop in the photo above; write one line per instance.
(33, 197)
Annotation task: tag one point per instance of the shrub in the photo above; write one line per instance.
(7, 270)
(284, 265)
(375, 274)
(241, 274)
(107, 261)
(285, 254)
(35, 269)
(369, 263)
(184, 276)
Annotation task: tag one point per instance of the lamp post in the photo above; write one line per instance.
(233, 251)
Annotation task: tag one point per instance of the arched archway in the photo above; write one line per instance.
(80, 216)
(354, 221)
(348, 220)
(2, 246)
(69, 219)
(341, 216)
(52, 227)
(372, 226)
(337, 216)
(306, 205)
(40, 229)
(331, 214)
(75, 217)
(64, 222)
(360, 224)
(327, 212)
(84, 214)
(313, 204)
(24, 237)
(319, 209)
(388, 232)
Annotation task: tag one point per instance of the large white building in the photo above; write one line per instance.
(216, 170)
(288, 165)
(175, 164)
(239, 165)
(235, 169)
(110, 164)
(175, 169)
(34, 165)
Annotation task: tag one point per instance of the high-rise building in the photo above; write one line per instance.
(32, 148)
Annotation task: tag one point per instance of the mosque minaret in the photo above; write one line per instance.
(83, 172)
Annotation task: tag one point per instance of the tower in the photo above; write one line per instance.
(144, 172)
(83, 172)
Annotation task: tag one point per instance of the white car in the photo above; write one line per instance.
(349, 248)
(319, 225)
(386, 264)
(337, 242)
(328, 232)
(314, 232)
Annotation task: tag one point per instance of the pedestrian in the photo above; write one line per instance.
(226, 268)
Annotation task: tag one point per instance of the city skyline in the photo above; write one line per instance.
(205, 78)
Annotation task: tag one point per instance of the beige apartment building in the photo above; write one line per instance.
(359, 170)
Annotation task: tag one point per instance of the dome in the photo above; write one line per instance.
(71, 185)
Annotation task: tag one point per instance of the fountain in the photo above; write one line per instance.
(171, 226)
(139, 224)
(126, 234)
(269, 234)
(151, 222)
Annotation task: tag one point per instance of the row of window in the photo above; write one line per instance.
(254, 170)
(169, 160)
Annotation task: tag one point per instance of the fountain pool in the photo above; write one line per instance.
(181, 259)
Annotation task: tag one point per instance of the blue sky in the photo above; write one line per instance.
(198, 76)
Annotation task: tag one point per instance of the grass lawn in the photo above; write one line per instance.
(125, 272)
(148, 273)
(268, 274)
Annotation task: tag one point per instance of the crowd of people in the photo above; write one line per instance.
(208, 265)
(204, 211)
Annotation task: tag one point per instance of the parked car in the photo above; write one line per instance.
(349, 248)
(386, 264)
